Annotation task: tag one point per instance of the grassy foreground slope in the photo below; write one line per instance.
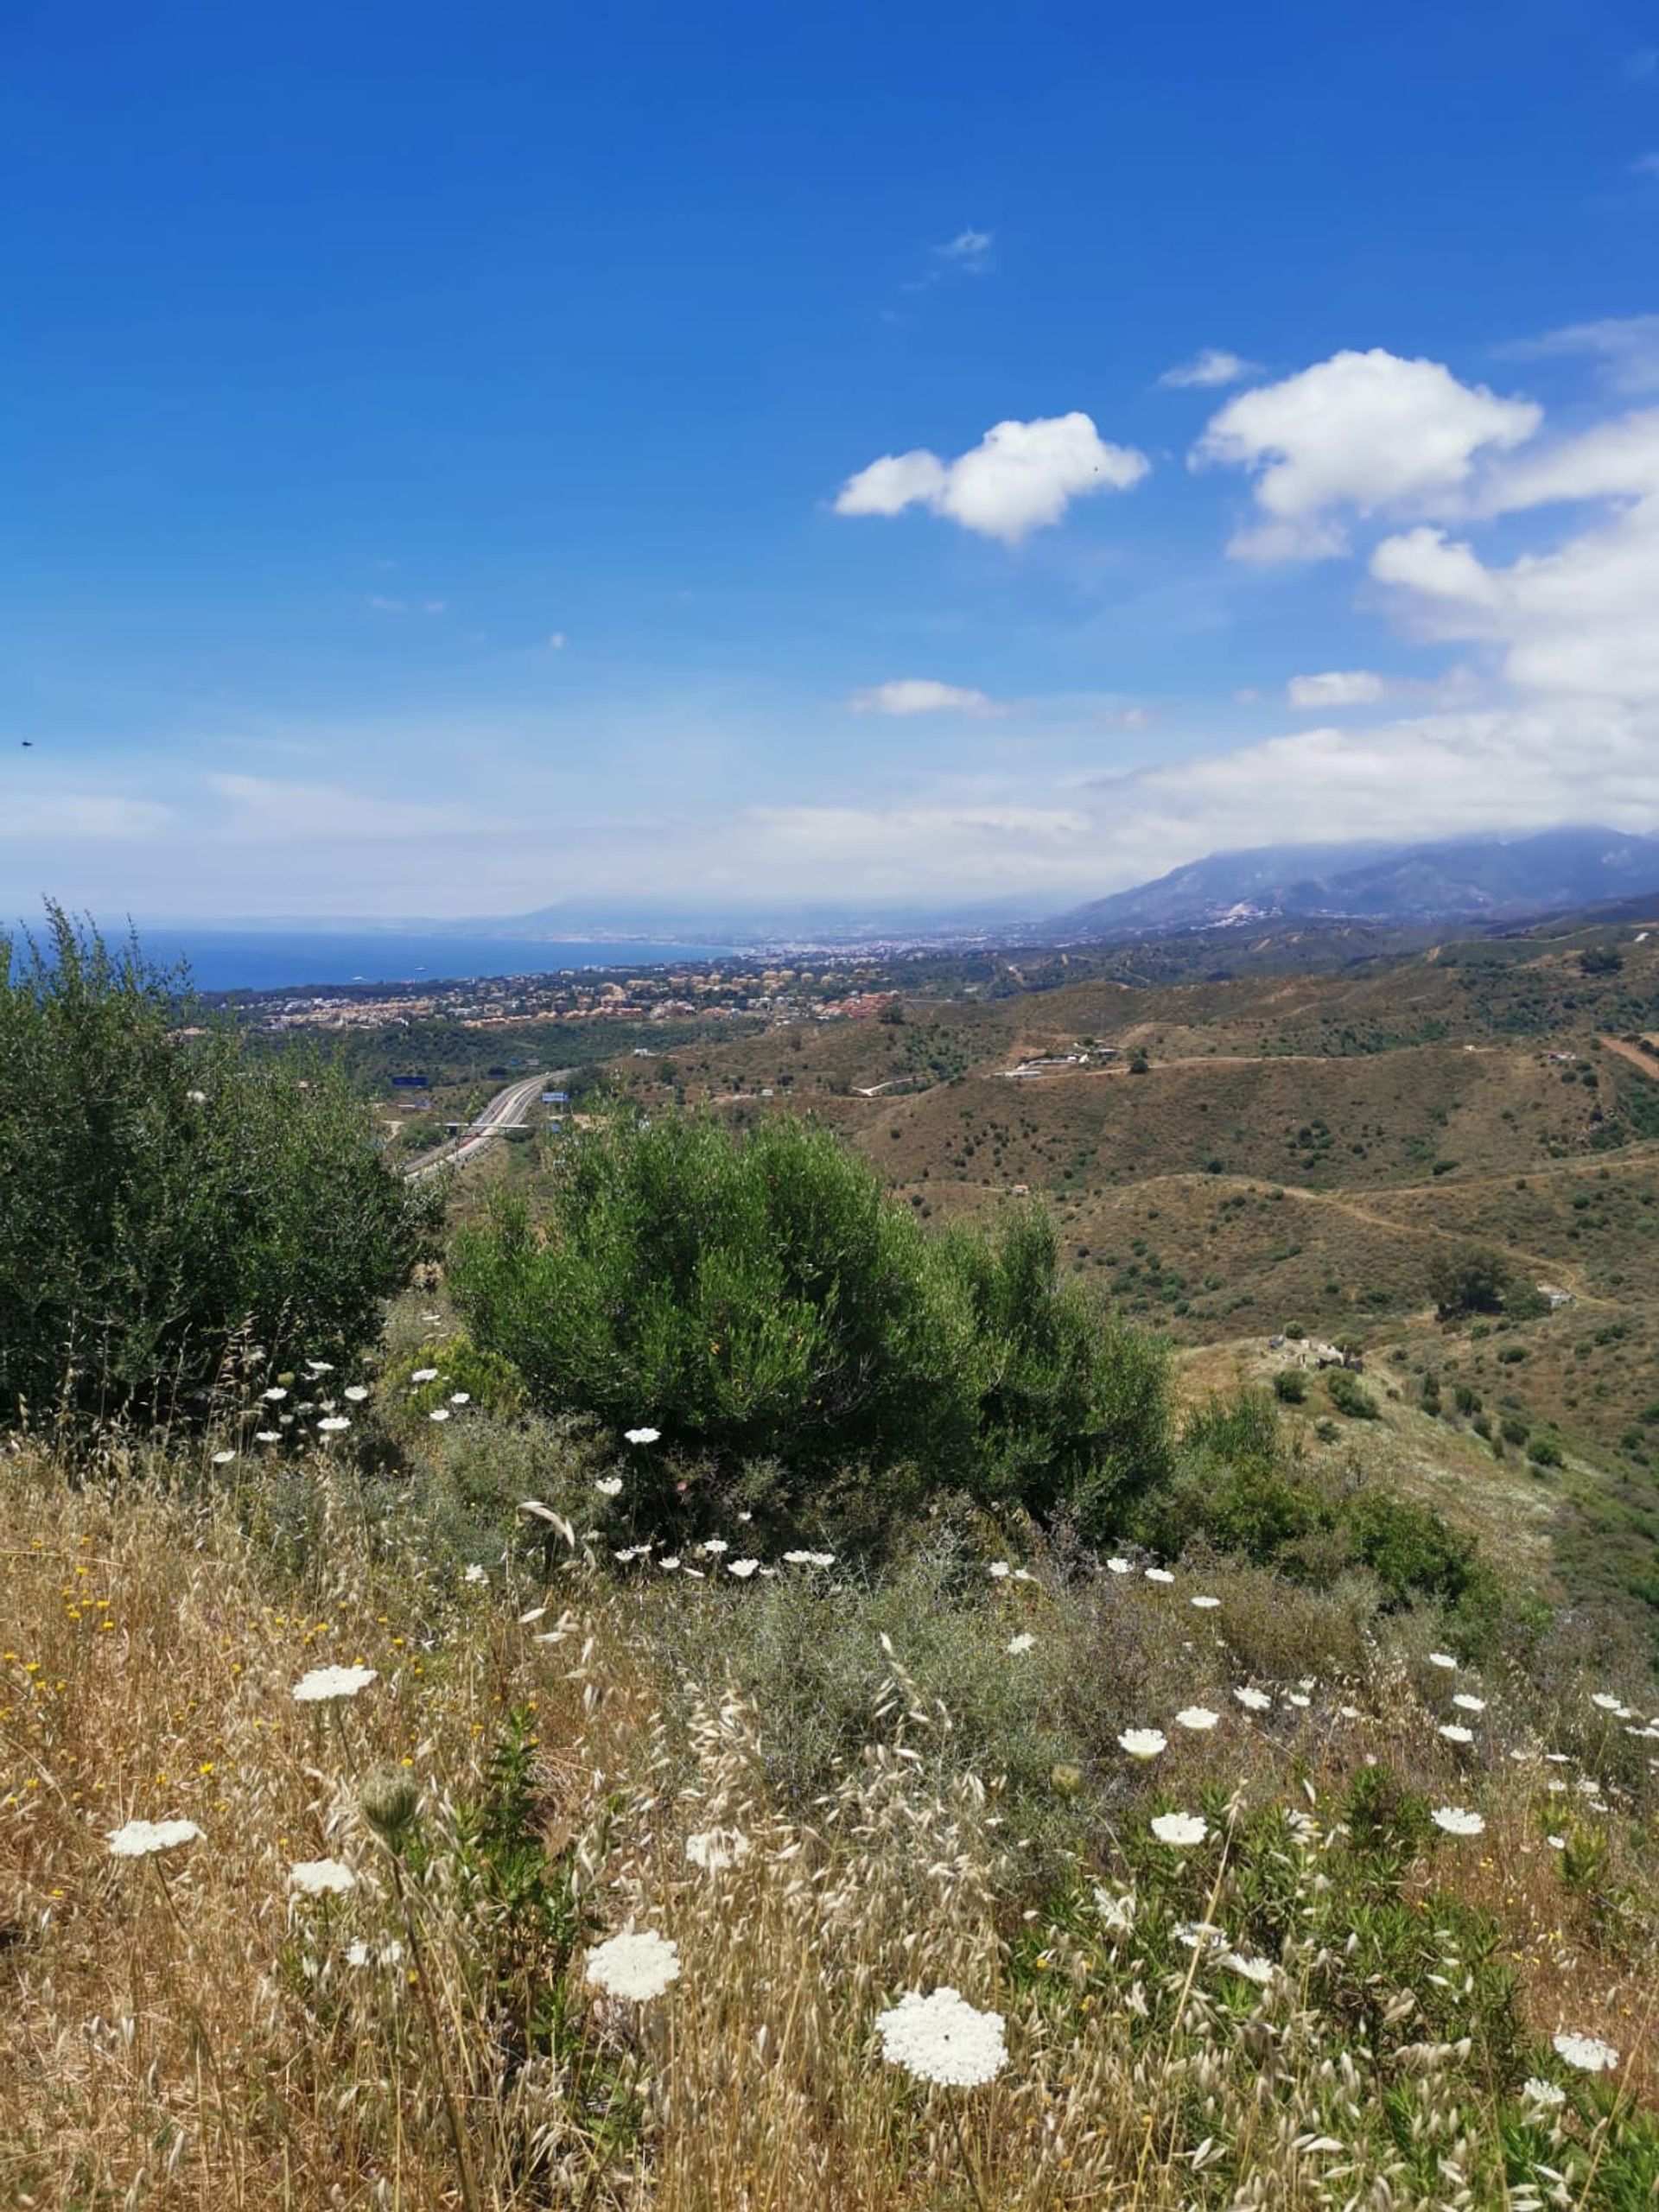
(1398, 1882)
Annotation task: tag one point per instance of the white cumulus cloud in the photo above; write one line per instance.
(1018, 477)
(1210, 367)
(920, 695)
(1337, 687)
(1360, 433)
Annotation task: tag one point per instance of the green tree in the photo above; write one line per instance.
(1468, 1279)
(757, 1298)
(161, 1195)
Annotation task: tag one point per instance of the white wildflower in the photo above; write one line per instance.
(355, 1392)
(324, 1685)
(1158, 1574)
(1143, 1742)
(641, 1435)
(1546, 2095)
(320, 1877)
(147, 1839)
(1182, 1830)
(1205, 1604)
(425, 1375)
(1456, 1821)
(1120, 1566)
(439, 1413)
(1198, 1718)
(1468, 1704)
(941, 2038)
(1588, 2053)
(999, 1570)
(638, 1964)
(1260, 1971)
(717, 1547)
(476, 1573)
(743, 1568)
(333, 1424)
(223, 1458)
(267, 1435)
(1016, 1646)
(609, 1485)
(1454, 1733)
(274, 1396)
(460, 1397)
(672, 1565)
(714, 1849)
(1443, 1659)
(1253, 1700)
(1605, 1700)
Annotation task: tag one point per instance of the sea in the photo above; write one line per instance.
(271, 960)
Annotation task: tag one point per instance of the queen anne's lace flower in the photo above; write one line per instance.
(609, 1485)
(743, 1568)
(942, 2038)
(1253, 1700)
(1158, 1574)
(320, 1877)
(1143, 1742)
(1205, 1604)
(638, 1964)
(999, 1570)
(1444, 1660)
(1588, 2053)
(425, 1375)
(1017, 1646)
(1468, 1704)
(323, 1685)
(1454, 1732)
(1456, 1821)
(641, 1435)
(1260, 1971)
(714, 1849)
(1199, 1718)
(1120, 1566)
(333, 1424)
(147, 1839)
(1544, 2094)
(1181, 1830)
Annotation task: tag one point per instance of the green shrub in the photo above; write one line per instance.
(1350, 1396)
(757, 1298)
(1290, 1386)
(1468, 1279)
(1410, 1550)
(1545, 1452)
(163, 1198)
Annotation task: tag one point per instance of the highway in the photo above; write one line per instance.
(506, 1110)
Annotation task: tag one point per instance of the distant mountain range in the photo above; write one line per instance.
(1488, 879)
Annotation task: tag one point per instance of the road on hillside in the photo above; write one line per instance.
(506, 1110)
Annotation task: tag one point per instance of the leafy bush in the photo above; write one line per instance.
(161, 1196)
(1350, 1396)
(757, 1298)
(1410, 1550)
(1290, 1386)
(1470, 1279)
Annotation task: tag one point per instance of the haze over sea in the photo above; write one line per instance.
(262, 960)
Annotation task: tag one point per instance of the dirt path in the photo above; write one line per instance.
(1634, 1054)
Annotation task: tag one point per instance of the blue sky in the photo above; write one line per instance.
(442, 469)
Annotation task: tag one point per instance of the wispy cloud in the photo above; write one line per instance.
(969, 250)
(265, 807)
(1207, 370)
(1337, 687)
(1625, 348)
(920, 695)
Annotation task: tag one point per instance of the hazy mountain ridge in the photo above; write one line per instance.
(1495, 879)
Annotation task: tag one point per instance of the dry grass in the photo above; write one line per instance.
(186, 2032)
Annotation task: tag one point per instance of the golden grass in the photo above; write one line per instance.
(186, 2032)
